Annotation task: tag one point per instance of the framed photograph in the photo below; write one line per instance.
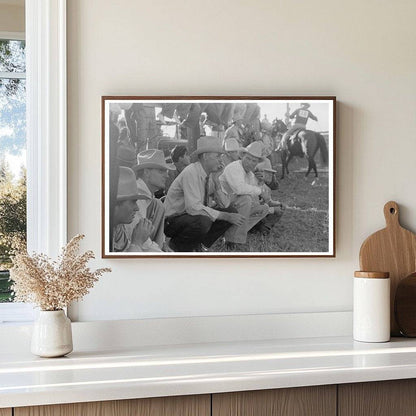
(218, 176)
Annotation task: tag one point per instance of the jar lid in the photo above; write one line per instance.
(372, 275)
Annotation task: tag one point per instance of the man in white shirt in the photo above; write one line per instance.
(192, 221)
(239, 181)
(181, 160)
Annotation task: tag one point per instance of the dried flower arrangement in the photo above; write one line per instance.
(53, 285)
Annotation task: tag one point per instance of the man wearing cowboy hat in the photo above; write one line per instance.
(192, 221)
(151, 172)
(181, 160)
(239, 181)
(301, 116)
(232, 151)
(265, 174)
(124, 213)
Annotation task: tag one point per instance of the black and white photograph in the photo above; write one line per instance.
(218, 176)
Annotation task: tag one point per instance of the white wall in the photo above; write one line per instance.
(360, 51)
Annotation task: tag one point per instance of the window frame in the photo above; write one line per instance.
(46, 138)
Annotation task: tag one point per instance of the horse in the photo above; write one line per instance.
(305, 144)
(252, 131)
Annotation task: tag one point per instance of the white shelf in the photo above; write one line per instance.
(151, 371)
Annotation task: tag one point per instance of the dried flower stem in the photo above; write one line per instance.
(53, 285)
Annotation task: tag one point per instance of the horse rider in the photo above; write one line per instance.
(301, 116)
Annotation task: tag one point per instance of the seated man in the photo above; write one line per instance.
(239, 181)
(191, 223)
(124, 213)
(181, 160)
(151, 172)
(264, 174)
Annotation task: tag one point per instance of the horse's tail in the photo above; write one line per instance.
(323, 148)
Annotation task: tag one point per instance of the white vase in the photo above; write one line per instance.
(52, 334)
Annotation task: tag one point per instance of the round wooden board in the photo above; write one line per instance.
(405, 306)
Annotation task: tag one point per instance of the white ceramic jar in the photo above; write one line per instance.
(52, 334)
(371, 313)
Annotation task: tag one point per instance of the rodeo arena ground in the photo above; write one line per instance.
(294, 158)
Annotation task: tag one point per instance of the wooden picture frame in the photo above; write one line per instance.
(295, 135)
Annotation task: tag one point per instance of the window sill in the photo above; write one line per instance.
(16, 313)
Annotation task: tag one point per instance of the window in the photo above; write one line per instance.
(12, 154)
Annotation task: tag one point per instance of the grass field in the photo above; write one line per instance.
(304, 224)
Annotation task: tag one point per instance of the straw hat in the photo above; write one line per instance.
(254, 149)
(127, 187)
(152, 159)
(208, 144)
(126, 156)
(265, 165)
(232, 145)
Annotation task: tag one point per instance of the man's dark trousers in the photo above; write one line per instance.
(188, 232)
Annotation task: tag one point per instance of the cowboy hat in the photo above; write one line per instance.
(231, 145)
(254, 149)
(265, 165)
(208, 144)
(152, 159)
(126, 156)
(127, 186)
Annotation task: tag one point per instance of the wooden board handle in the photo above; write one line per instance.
(391, 214)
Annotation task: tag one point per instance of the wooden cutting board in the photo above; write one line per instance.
(393, 250)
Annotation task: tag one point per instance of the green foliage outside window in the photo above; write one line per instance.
(12, 224)
(12, 143)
